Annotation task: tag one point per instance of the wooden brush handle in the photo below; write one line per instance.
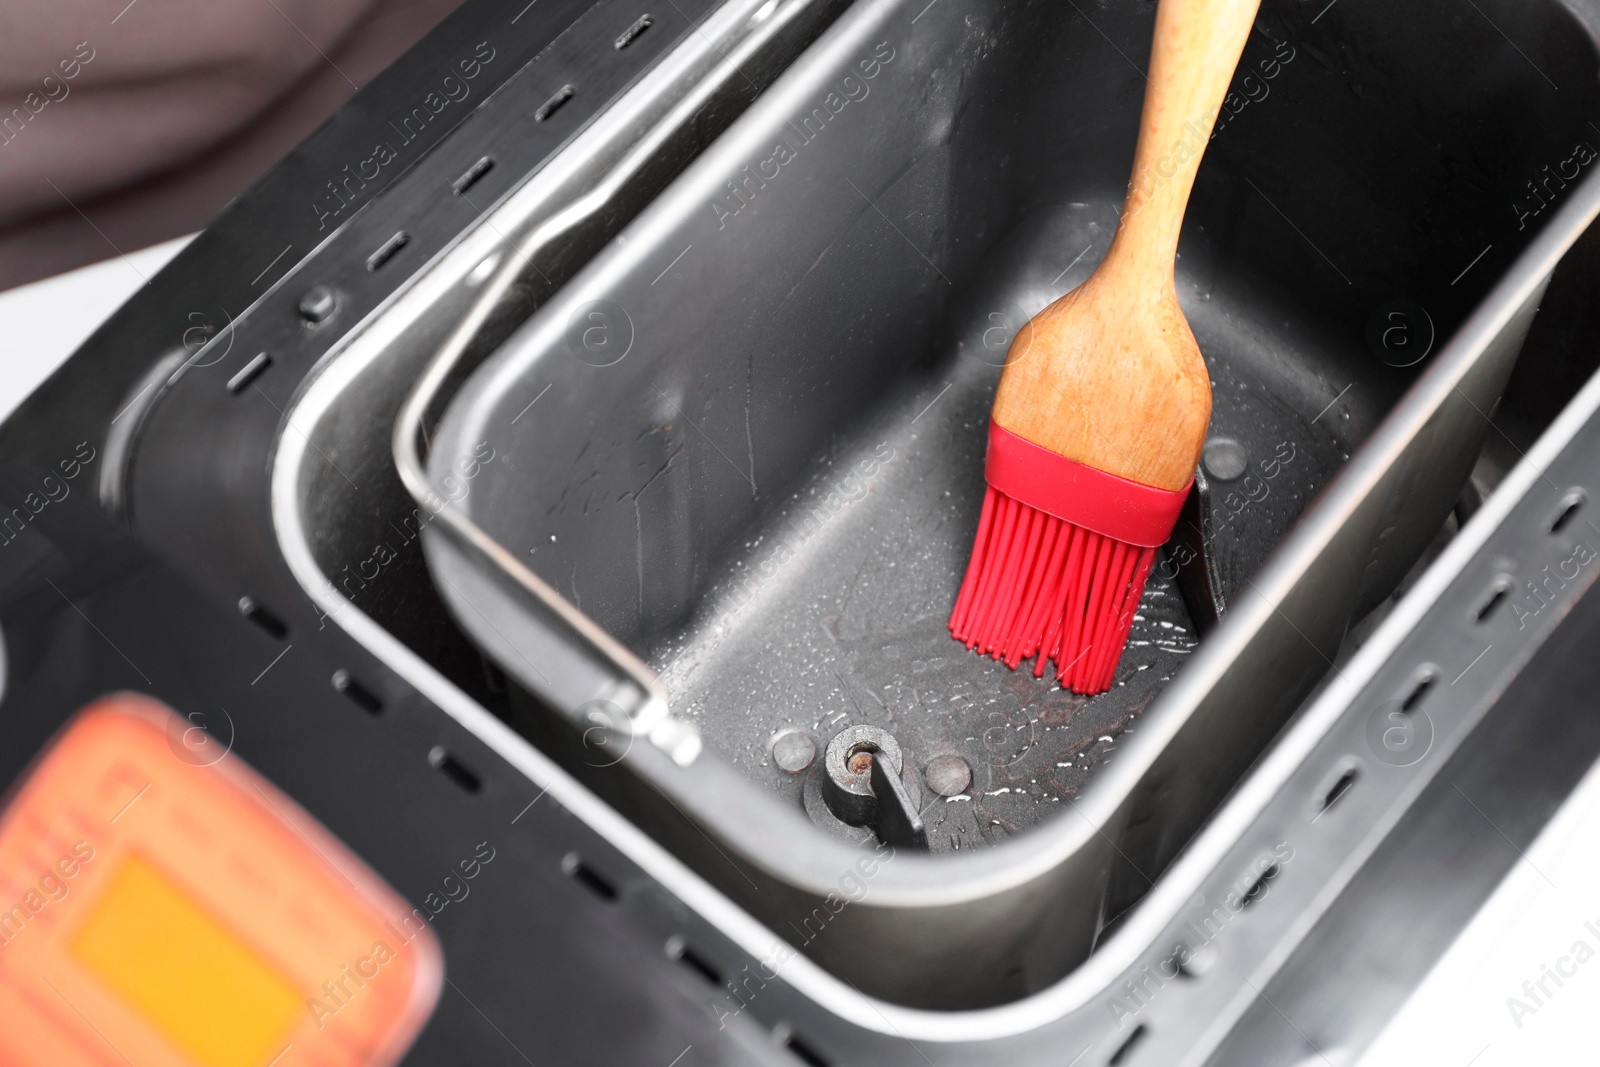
(1196, 48)
(1110, 375)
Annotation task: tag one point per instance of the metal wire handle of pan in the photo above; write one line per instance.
(619, 694)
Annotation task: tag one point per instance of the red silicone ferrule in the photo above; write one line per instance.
(1114, 507)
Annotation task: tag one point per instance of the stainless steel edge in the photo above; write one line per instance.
(1151, 916)
(1348, 512)
(737, 31)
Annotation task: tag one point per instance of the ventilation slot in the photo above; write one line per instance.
(470, 178)
(1421, 690)
(1258, 888)
(1499, 591)
(249, 373)
(1569, 508)
(631, 34)
(390, 248)
(589, 878)
(358, 694)
(494, 679)
(554, 104)
(454, 770)
(1126, 1047)
(694, 961)
(1337, 790)
(801, 1050)
(251, 609)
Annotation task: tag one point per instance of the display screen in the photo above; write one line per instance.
(161, 903)
(194, 980)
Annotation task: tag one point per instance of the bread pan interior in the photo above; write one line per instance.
(746, 439)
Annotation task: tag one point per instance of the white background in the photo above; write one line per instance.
(44, 322)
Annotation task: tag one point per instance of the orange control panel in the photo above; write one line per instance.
(161, 903)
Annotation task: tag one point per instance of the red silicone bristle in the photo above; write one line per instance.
(1009, 578)
(1025, 630)
(1080, 635)
(1048, 609)
(1040, 587)
(969, 584)
(1077, 657)
(1130, 605)
(964, 600)
(1123, 559)
(1055, 622)
(994, 590)
(1024, 586)
(991, 565)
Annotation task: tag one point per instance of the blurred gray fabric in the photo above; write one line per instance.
(125, 124)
